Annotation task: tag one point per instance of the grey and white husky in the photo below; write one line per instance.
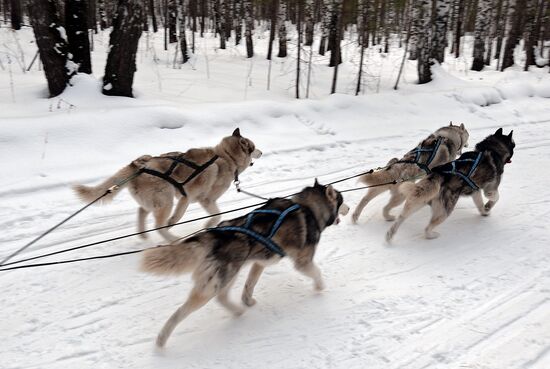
(282, 227)
(440, 147)
(473, 172)
(198, 175)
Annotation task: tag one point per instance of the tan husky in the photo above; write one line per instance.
(440, 147)
(282, 227)
(199, 175)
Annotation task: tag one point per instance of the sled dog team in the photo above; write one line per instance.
(290, 227)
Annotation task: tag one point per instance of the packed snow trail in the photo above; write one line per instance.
(477, 297)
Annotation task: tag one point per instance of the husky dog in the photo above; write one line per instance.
(198, 175)
(472, 172)
(440, 147)
(281, 227)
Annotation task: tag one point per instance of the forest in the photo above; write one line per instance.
(64, 31)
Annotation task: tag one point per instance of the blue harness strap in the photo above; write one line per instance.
(466, 177)
(266, 240)
(419, 150)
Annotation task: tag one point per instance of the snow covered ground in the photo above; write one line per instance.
(477, 297)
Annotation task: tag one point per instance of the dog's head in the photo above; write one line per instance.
(499, 143)
(508, 142)
(326, 203)
(462, 133)
(240, 149)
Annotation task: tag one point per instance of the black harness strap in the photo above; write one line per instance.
(418, 151)
(176, 160)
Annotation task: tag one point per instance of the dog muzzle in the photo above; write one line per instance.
(342, 210)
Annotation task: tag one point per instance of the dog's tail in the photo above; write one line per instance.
(424, 190)
(380, 177)
(90, 193)
(174, 259)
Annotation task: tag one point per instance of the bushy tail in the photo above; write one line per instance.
(174, 259)
(380, 177)
(424, 190)
(90, 193)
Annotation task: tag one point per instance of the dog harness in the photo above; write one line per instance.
(177, 160)
(418, 151)
(265, 239)
(465, 177)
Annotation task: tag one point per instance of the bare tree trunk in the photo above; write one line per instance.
(153, 16)
(530, 33)
(459, 18)
(424, 43)
(182, 35)
(310, 22)
(501, 25)
(282, 29)
(336, 30)
(92, 17)
(482, 23)
(416, 23)
(123, 44)
(439, 41)
(193, 14)
(325, 25)
(219, 10)
(362, 21)
(238, 21)
(299, 46)
(493, 20)
(15, 11)
(51, 43)
(77, 34)
(515, 10)
(204, 6)
(249, 25)
(172, 20)
(335, 33)
(273, 27)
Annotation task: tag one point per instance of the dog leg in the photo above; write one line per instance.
(371, 194)
(161, 215)
(211, 208)
(311, 270)
(223, 299)
(478, 201)
(493, 197)
(142, 216)
(196, 300)
(396, 199)
(438, 216)
(181, 207)
(253, 277)
(409, 208)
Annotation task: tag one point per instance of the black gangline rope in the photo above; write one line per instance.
(3, 265)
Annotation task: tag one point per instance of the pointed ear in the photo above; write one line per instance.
(316, 183)
(451, 123)
(498, 132)
(462, 126)
(510, 134)
(331, 193)
(237, 132)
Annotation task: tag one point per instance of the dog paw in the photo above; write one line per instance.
(238, 312)
(389, 217)
(144, 236)
(354, 218)
(161, 341)
(249, 301)
(319, 286)
(430, 235)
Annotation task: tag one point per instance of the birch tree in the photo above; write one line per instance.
(480, 36)
(249, 25)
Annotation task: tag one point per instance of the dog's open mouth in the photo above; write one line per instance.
(509, 161)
